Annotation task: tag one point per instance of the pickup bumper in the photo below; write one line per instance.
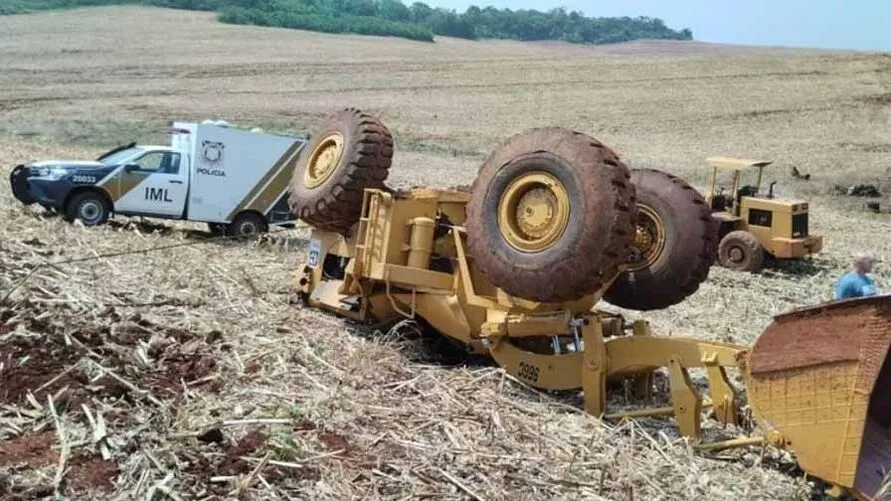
(786, 248)
(18, 181)
(28, 190)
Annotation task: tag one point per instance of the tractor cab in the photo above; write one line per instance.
(774, 225)
(730, 202)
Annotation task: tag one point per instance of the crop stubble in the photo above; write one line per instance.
(209, 380)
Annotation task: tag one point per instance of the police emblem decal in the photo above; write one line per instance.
(212, 151)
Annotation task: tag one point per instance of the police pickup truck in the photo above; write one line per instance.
(235, 180)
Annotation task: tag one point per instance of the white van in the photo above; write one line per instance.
(235, 180)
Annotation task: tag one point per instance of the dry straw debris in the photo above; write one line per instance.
(189, 372)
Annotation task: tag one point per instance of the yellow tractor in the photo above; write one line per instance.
(752, 224)
(515, 268)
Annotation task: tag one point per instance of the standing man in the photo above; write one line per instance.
(857, 282)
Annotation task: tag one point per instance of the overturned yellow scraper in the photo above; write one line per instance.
(516, 265)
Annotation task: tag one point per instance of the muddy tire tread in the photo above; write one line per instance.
(579, 273)
(368, 158)
(626, 295)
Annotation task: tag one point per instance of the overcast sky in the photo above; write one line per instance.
(834, 24)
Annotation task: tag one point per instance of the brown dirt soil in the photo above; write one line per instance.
(303, 425)
(35, 450)
(207, 462)
(252, 444)
(336, 442)
(232, 463)
(5, 315)
(91, 473)
(185, 369)
(129, 333)
(39, 492)
(28, 365)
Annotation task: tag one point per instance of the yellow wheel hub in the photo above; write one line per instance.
(649, 239)
(323, 160)
(533, 212)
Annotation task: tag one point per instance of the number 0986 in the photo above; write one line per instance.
(528, 372)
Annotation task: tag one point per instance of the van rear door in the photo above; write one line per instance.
(236, 170)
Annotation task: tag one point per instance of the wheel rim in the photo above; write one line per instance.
(649, 237)
(248, 228)
(736, 254)
(90, 211)
(533, 212)
(323, 160)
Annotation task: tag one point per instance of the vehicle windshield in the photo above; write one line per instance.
(122, 155)
(748, 178)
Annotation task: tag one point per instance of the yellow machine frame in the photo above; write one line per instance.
(392, 260)
(402, 261)
(778, 235)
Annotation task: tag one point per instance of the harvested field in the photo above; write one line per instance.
(191, 372)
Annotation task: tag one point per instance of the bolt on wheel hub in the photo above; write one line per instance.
(90, 211)
(533, 212)
(649, 237)
(323, 160)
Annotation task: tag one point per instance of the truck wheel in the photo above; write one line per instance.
(550, 215)
(353, 152)
(740, 250)
(90, 207)
(676, 242)
(248, 225)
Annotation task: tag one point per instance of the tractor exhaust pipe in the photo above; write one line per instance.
(818, 381)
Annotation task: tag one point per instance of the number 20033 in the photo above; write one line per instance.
(83, 179)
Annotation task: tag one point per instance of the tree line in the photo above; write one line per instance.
(418, 21)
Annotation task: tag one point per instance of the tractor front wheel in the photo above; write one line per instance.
(740, 251)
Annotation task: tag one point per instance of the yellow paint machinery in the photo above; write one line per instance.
(516, 265)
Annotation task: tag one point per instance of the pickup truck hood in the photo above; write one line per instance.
(80, 164)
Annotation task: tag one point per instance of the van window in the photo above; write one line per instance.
(163, 162)
(150, 162)
(171, 163)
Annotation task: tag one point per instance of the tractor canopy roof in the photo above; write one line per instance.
(736, 163)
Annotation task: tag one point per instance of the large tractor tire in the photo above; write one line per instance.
(740, 251)
(550, 215)
(353, 152)
(676, 243)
